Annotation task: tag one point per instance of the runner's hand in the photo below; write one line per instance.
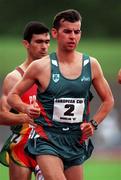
(24, 118)
(87, 130)
(33, 110)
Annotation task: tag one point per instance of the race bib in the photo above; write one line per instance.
(69, 110)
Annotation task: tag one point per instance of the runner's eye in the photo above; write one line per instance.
(77, 31)
(47, 41)
(43, 41)
(67, 31)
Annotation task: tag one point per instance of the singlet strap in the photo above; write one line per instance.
(85, 56)
(86, 65)
(54, 63)
(20, 70)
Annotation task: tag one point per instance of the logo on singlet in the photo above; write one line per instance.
(56, 77)
(65, 129)
(54, 62)
(85, 78)
(86, 62)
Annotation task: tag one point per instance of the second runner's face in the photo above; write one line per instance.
(68, 35)
(38, 47)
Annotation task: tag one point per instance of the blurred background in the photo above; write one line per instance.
(101, 38)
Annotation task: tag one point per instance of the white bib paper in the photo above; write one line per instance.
(69, 110)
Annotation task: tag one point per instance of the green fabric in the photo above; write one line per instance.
(4, 151)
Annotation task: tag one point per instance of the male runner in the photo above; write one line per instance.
(36, 40)
(61, 141)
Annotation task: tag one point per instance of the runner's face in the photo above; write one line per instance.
(68, 35)
(38, 47)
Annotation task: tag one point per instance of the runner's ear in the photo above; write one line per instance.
(54, 33)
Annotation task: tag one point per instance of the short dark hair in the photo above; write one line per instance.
(34, 27)
(70, 15)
